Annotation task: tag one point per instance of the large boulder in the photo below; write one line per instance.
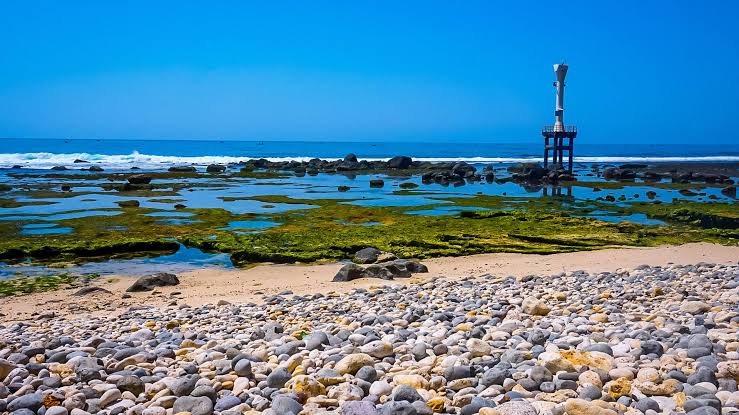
(148, 282)
(348, 272)
(400, 162)
(367, 255)
(399, 268)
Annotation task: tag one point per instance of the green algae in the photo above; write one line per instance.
(329, 231)
(29, 285)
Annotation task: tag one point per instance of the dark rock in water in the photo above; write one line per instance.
(528, 172)
(91, 290)
(66, 188)
(128, 203)
(139, 179)
(729, 191)
(148, 282)
(80, 161)
(179, 206)
(182, 169)
(343, 188)
(348, 272)
(59, 168)
(408, 185)
(687, 192)
(17, 166)
(367, 255)
(351, 157)
(215, 168)
(5, 188)
(651, 176)
(400, 162)
(651, 194)
(613, 173)
(377, 183)
(95, 168)
(633, 166)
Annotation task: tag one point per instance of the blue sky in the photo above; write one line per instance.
(655, 71)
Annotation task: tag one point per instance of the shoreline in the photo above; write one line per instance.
(251, 285)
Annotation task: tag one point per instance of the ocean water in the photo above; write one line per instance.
(159, 154)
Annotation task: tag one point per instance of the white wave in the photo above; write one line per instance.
(149, 161)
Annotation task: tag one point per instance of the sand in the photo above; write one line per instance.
(209, 285)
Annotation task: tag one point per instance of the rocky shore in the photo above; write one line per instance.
(650, 340)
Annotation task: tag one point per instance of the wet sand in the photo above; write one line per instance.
(210, 285)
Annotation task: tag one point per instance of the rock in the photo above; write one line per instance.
(194, 405)
(377, 183)
(215, 168)
(399, 162)
(148, 282)
(90, 290)
(182, 169)
(535, 307)
(378, 349)
(478, 348)
(694, 307)
(351, 157)
(131, 384)
(128, 204)
(278, 378)
(184, 385)
(583, 407)
(31, 401)
(5, 368)
(367, 256)
(139, 179)
(285, 405)
(353, 362)
(348, 272)
(243, 368)
(398, 408)
(511, 408)
(226, 402)
(56, 410)
(358, 408)
(307, 385)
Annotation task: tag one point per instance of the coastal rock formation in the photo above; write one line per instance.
(149, 282)
(399, 268)
(611, 343)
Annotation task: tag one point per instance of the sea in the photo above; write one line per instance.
(160, 154)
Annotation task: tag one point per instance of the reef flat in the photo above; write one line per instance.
(317, 211)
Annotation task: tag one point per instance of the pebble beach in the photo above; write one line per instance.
(644, 340)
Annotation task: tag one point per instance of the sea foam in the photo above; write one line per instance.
(45, 160)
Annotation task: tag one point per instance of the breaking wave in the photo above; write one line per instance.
(45, 160)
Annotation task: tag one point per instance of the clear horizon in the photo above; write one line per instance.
(337, 72)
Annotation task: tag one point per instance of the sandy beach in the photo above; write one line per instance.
(209, 285)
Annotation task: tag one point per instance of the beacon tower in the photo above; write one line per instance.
(559, 132)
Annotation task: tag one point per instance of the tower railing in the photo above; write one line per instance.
(566, 129)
